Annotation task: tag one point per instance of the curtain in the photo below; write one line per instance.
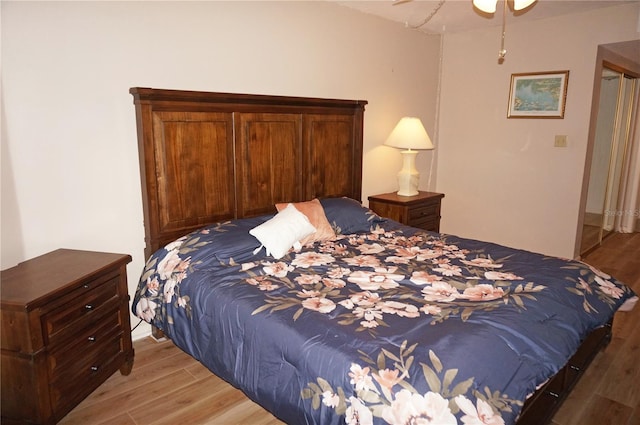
(628, 211)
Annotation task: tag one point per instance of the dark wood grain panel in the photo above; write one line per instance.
(195, 169)
(268, 161)
(337, 134)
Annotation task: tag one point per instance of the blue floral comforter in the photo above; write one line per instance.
(393, 325)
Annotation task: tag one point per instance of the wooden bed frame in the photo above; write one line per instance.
(209, 157)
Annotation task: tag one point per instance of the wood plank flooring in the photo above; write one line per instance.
(609, 391)
(166, 386)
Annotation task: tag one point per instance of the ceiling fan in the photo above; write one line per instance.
(486, 6)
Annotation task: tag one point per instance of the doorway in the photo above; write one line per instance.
(612, 168)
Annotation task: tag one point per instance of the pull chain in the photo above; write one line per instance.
(503, 52)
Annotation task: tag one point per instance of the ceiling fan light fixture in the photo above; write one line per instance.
(522, 4)
(488, 6)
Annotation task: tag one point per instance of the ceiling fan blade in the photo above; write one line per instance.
(397, 2)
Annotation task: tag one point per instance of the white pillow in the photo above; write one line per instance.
(285, 230)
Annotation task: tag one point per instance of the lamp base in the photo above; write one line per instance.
(408, 176)
(401, 193)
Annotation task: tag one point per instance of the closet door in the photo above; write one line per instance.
(268, 148)
(607, 203)
(332, 159)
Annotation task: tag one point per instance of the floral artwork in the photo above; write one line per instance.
(538, 95)
(390, 326)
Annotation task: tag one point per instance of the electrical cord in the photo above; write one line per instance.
(134, 328)
(428, 18)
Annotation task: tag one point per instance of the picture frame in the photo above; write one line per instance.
(538, 94)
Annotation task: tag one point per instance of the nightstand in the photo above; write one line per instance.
(421, 210)
(65, 330)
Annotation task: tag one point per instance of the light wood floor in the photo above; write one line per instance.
(167, 386)
(609, 391)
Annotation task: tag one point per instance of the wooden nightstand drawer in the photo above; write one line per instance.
(422, 210)
(63, 357)
(89, 364)
(69, 390)
(427, 212)
(65, 325)
(67, 319)
(431, 224)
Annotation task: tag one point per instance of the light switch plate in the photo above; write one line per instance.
(560, 141)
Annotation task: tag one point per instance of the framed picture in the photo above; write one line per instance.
(538, 95)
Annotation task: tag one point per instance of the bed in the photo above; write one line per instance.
(263, 264)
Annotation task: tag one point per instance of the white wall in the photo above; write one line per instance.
(70, 175)
(504, 180)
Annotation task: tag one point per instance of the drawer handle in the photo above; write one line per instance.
(551, 393)
(86, 286)
(91, 339)
(95, 368)
(88, 307)
(576, 368)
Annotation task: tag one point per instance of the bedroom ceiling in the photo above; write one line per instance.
(445, 16)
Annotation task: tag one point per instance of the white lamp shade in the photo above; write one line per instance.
(409, 133)
(487, 6)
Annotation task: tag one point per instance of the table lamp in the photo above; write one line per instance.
(409, 135)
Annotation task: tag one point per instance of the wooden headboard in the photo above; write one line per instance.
(208, 157)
